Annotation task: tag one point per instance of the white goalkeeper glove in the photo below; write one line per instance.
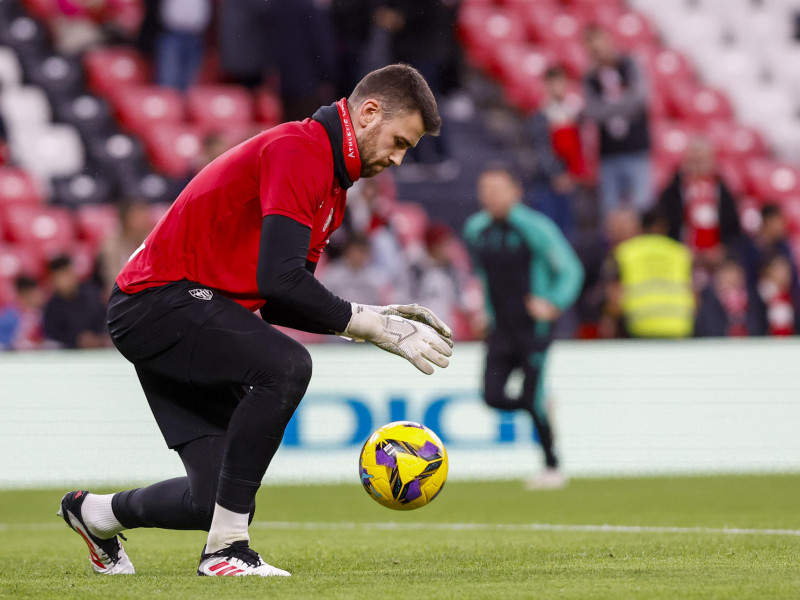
(414, 341)
(415, 312)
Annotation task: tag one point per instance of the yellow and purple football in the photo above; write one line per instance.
(403, 465)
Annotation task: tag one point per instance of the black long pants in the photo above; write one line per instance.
(222, 385)
(504, 355)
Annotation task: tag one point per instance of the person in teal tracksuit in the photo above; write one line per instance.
(530, 275)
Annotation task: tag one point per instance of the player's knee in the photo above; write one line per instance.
(295, 372)
(495, 398)
(203, 511)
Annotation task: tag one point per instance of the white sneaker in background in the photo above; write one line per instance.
(549, 479)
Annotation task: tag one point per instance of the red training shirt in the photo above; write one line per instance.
(211, 234)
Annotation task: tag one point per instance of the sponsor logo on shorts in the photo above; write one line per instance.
(201, 294)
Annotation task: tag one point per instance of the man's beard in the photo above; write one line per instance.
(370, 166)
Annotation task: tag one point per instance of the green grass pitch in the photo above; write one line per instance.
(693, 537)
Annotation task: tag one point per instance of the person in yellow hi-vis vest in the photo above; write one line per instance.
(653, 292)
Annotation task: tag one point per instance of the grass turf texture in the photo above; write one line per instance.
(331, 539)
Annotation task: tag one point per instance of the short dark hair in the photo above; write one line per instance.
(654, 217)
(554, 72)
(59, 263)
(399, 88)
(24, 283)
(499, 166)
(770, 210)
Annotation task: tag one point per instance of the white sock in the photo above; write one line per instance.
(226, 527)
(98, 516)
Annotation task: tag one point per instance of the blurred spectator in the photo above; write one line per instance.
(699, 207)
(620, 224)
(650, 284)
(78, 25)
(180, 43)
(352, 276)
(352, 21)
(435, 281)
(770, 240)
(775, 290)
(554, 133)
(368, 211)
(295, 38)
(21, 325)
(425, 39)
(135, 225)
(75, 315)
(616, 99)
(728, 307)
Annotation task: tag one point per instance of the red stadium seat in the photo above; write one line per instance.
(43, 9)
(175, 150)
(564, 27)
(18, 187)
(666, 68)
(669, 142)
(96, 222)
(700, 105)
(7, 292)
(791, 212)
(110, 70)
(17, 259)
(269, 109)
(142, 107)
(731, 173)
(521, 69)
(772, 181)
(83, 259)
(219, 106)
(632, 30)
(535, 17)
(483, 29)
(409, 220)
(48, 227)
(736, 141)
(573, 56)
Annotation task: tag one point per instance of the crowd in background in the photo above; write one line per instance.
(706, 275)
(733, 282)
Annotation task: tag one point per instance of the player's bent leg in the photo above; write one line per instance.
(552, 477)
(495, 377)
(107, 556)
(277, 370)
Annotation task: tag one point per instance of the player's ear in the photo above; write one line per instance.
(369, 112)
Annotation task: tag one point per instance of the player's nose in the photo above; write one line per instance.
(396, 157)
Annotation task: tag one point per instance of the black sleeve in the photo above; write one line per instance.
(294, 297)
(730, 229)
(672, 205)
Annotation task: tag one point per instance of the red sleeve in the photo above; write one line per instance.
(295, 178)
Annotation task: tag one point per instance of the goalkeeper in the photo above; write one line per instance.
(222, 383)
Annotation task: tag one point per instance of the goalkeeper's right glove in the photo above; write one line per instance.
(416, 342)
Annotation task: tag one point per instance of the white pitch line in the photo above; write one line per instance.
(514, 527)
(393, 526)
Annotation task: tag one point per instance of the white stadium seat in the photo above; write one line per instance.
(693, 32)
(762, 105)
(727, 64)
(24, 107)
(10, 71)
(50, 151)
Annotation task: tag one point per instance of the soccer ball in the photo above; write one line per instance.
(403, 465)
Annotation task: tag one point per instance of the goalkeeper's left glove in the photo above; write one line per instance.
(415, 312)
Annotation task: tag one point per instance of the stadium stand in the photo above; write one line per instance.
(88, 129)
